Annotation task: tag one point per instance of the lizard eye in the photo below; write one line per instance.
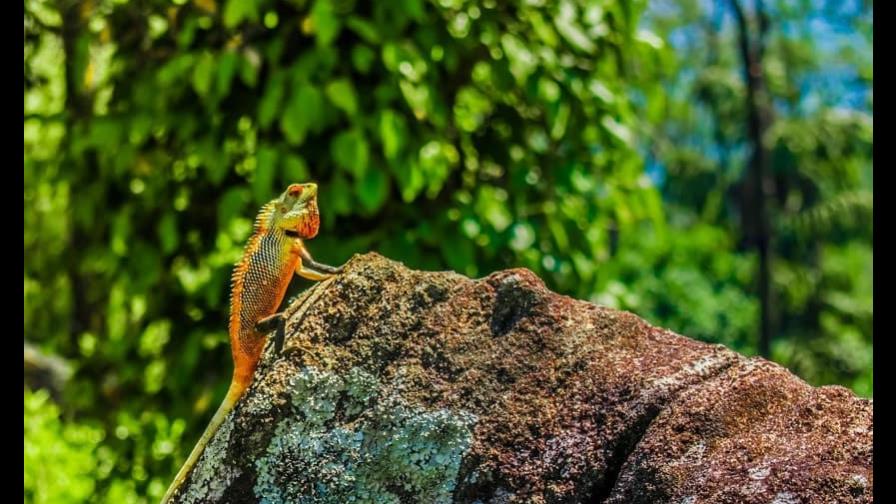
(295, 190)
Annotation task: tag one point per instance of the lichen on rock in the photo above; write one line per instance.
(352, 441)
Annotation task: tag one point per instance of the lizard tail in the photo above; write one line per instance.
(230, 400)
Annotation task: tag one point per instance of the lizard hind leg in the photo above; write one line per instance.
(276, 321)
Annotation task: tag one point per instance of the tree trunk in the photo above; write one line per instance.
(78, 106)
(758, 184)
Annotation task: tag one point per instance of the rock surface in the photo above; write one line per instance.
(406, 386)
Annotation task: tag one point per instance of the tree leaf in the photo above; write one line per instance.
(294, 169)
(326, 23)
(364, 29)
(237, 11)
(270, 102)
(350, 151)
(393, 133)
(304, 109)
(372, 190)
(203, 74)
(342, 94)
(265, 171)
(227, 66)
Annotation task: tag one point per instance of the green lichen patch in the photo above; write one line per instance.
(352, 440)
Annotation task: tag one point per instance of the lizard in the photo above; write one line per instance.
(274, 252)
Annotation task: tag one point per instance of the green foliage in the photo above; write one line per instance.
(448, 134)
(697, 285)
(60, 458)
(460, 135)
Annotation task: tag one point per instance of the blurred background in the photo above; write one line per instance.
(704, 164)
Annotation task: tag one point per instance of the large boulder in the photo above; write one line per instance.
(397, 385)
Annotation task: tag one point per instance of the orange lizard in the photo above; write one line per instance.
(275, 251)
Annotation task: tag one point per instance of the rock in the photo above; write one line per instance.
(406, 386)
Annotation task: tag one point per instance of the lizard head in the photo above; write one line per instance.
(295, 211)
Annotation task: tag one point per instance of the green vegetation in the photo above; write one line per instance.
(605, 147)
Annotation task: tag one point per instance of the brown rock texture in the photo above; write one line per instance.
(409, 386)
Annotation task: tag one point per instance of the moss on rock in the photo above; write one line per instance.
(352, 441)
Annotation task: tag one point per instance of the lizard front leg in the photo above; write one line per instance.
(308, 264)
(313, 271)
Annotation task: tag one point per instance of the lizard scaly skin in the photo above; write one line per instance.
(275, 252)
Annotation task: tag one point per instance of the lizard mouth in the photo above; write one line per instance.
(291, 233)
